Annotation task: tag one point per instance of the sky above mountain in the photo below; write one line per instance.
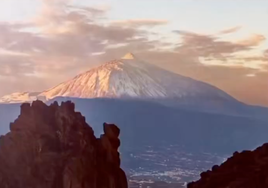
(222, 42)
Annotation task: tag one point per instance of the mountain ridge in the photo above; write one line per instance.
(128, 76)
(246, 169)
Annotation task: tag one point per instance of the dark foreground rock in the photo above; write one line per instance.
(248, 169)
(53, 147)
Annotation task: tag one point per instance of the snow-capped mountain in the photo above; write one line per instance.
(126, 77)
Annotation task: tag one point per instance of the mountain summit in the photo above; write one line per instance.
(129, 77)
(129, 56)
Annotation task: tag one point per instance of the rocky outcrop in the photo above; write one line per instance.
(53, 147)
(248, 169)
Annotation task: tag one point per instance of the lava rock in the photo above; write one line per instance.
(248, 169)
(53, 147)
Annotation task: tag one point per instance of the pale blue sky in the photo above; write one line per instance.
(194, 15)
(200, 16)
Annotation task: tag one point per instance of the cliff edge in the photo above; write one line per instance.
(248, 169)
(53, 147)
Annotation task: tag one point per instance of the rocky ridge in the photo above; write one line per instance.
(248, 169)
(53, 147)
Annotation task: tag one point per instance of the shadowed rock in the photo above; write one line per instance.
(53, 147)
(248, 169)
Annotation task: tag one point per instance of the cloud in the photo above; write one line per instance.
(231, 30)
(71, 32)
(260, 60)
(12, 38)
(212, 50)
(140, 23)
(253, 40)
(265, 53)
(208, 45)
(10, 67)
(92, 11)
(54, 18)
(251, 75)
(254, 58)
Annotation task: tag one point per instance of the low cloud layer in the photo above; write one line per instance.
(265, 53)
(65, 40)
(140, 23)
(231, 30)
(211, 46)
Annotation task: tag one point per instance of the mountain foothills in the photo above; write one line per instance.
(53, 147)
(173, 127)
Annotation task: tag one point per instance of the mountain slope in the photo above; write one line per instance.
(128, 77)
(131, 77)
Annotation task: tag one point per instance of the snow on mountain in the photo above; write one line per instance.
(132, 77)
(127, 77)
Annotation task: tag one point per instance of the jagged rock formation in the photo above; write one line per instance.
(53, 147)
(248, 169)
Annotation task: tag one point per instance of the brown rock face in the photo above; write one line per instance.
(53, 147)
(248, 169)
